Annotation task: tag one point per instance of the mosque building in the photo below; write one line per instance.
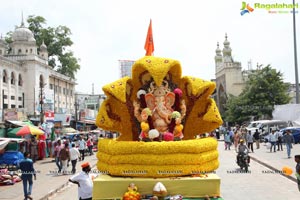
(27, 83)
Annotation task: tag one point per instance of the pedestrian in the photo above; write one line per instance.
(250, 141)
(217, 134)
(288, 139)
(84, 182)
(82, 147)
(227, 140)
(297, 173)
(74, 155)
(279, 140)
(273, 140)
(236, 140)
(27, 170)
(57, 149)
(33, 148)
(89, 145)
(256, 138)
(64, 156)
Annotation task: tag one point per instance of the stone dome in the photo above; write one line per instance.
(43, 47)
(23, 34)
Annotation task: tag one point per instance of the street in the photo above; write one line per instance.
(260, 183)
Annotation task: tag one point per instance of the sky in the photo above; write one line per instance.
(106, 31)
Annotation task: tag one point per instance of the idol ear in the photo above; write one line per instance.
(150, 101)
(169, 100)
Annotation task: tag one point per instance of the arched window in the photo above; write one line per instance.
(4, 76)
(12, 79)
(19, 51)
(20, 81)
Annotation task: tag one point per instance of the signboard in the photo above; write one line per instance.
(11, 114)
(49, 115)
(64, 118)
(57, 124)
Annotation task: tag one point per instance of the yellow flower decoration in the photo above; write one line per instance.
(119, 111)
(128, 156)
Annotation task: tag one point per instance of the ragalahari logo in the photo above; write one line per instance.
(246, 8)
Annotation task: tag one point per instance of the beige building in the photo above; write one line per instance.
(230, 79)
(28, 82)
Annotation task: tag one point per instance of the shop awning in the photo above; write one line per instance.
(4, 142)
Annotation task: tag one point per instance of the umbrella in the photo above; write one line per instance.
(68, 130)
(25, 130)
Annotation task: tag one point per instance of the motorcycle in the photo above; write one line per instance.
(243, 160)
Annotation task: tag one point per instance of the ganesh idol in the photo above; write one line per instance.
(161, 101)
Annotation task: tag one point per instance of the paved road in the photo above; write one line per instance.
(47, 182)
(261, 183)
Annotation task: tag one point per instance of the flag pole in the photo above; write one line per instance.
(149, 44)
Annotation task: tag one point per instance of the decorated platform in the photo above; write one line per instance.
(162, 151)
(109, 187)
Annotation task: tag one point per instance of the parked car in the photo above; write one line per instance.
(295, 131)
(264, 128)
(252, 126)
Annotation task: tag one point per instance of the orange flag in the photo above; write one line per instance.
(149, 44)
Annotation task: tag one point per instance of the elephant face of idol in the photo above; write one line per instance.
(160, 97)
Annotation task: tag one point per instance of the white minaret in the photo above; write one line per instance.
(2, 46)
(44, 51)
(218, 58)
(227, 50)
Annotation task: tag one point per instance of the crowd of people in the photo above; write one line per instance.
(66, 151)
(275, 139)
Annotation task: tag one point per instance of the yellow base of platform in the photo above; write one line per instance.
(108, 187)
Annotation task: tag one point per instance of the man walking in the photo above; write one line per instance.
(279, 140)
(82, 146)
(58, 147)
(64, 156)
(273, 140)
(74, 155)
(27, 170)
(256, 138)
(288, 139)
(84, 182)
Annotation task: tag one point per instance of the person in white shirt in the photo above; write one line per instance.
(84, 182)
(273, 139)
(74, 155)
(82, 147)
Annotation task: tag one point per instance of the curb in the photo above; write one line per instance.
(274, 169)
(52, 192)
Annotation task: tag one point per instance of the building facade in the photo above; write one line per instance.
(230, 79)
(28, 82)
(125, 67)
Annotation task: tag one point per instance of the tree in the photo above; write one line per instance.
(264, 89)
(58, 42)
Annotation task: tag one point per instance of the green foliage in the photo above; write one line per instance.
(58, 41)
(264, 89)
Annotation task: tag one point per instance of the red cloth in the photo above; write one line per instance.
(41, 149)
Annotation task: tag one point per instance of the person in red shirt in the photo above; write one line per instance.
(89, 144)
